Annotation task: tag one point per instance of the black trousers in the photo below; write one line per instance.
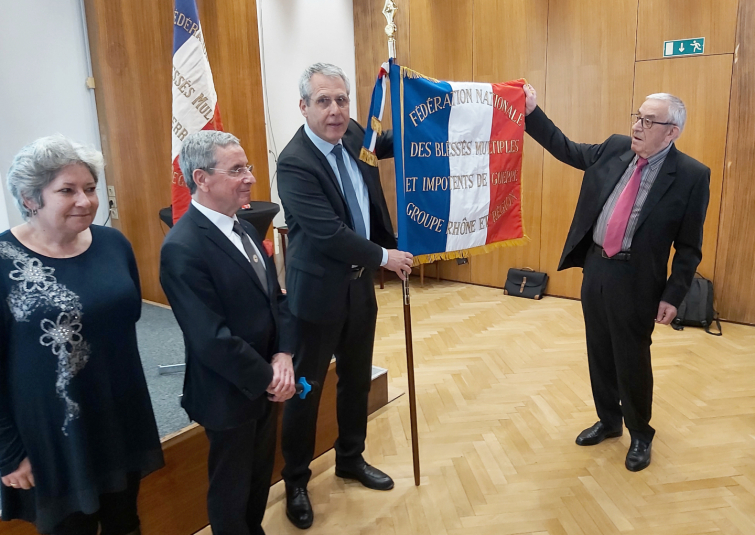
(240, 466)
(351, 341)
(619, 326)
(117, 514)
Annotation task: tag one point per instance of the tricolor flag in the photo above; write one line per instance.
(195, 103)
(458, 158)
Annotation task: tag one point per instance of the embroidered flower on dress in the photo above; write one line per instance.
(32, 275)
(65, 331)
(38, 288)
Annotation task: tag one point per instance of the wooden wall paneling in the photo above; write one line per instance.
(371, 50)
(735, 261)
(231, 36)
(703, 83)
(131, 45)
(591, 46)
(441, 37)
(510, 40)
(665, 20)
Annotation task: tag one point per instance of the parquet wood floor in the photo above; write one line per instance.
(503, 390)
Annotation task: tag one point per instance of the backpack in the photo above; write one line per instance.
(697, 308)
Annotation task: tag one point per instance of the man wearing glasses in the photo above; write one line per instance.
(639, 196)
(237, 329)
(339, 233)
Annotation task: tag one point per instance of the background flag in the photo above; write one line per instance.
(195, 103)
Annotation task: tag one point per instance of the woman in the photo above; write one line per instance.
(77, 431)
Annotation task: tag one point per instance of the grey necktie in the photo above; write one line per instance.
(255, 260)
(350, 193)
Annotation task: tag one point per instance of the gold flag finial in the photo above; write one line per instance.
(389, 9)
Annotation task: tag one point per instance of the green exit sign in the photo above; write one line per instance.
(684, 47)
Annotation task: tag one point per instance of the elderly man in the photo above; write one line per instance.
(639, 196)
(339, 233)
(237, 330)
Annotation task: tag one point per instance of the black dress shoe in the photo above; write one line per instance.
(638, 456)
(596, 434)
(367, 475)
(298, 507)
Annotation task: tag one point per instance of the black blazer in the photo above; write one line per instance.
(323, 245)
(231, 326)
(673, 213)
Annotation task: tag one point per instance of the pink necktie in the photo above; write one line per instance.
(617, 223)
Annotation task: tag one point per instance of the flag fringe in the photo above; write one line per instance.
(466, 253)
(377, 126)
(368, 157)
(406, 72)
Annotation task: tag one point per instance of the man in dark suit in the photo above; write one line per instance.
(237, 330)
(339, 233)
(639, 196)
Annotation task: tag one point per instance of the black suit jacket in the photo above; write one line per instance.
(323, 245)
(673, 213)
(231, 326)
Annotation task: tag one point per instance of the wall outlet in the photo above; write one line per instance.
(111, 191)
(114, 213)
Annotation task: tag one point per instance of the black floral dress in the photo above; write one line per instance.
(73, 398)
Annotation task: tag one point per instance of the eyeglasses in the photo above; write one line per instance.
(646, 123)
(324, 102)
(241, 171)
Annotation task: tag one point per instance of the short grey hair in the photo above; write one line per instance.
(677, 111)
(326, 69)
(198, 152)
(39, 163)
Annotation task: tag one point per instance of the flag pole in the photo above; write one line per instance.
(389, 10)
(410, 378)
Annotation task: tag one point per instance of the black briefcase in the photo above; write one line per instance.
(525, 282)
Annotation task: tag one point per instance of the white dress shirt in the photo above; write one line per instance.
(225, 225)
(360, 188)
